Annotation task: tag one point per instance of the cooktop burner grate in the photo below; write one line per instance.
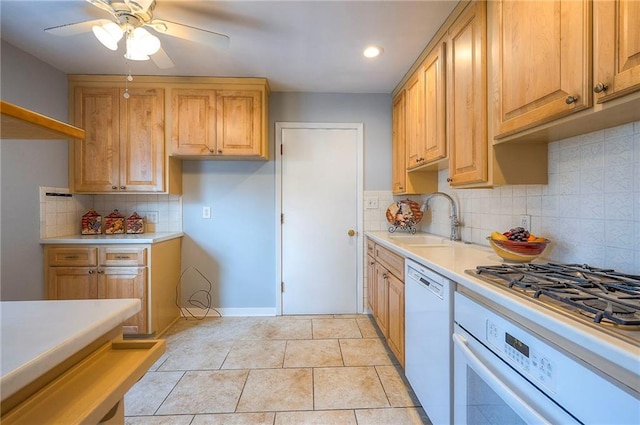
(603, 294)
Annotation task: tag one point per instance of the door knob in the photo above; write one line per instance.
(351, 232)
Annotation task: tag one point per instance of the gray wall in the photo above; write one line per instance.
(236, 248)
(24, 166)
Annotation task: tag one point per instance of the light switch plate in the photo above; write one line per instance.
(371, 203)
(152, 217)
(525, 221)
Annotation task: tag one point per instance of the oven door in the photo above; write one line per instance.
(488, 391)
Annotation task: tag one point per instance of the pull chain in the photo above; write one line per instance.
(127, 80)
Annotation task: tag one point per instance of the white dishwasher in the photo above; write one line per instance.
(428, 345)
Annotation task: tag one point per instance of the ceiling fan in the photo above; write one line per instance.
(131, 18)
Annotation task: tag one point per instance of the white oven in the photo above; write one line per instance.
(505, 374)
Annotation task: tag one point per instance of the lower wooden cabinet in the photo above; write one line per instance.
(385, 292)
(148, 272)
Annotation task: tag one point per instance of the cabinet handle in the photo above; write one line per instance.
(571, 99)
(114, 187)
(600, 87)
(70, 257)
(385, 276)
(122, 257)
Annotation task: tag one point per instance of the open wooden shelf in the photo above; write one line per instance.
(20, 123)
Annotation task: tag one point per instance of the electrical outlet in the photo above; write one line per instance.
(152, 217)
(371, 203)
(206, 212)
(525, 222)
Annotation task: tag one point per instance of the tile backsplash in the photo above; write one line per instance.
(590, 208)
(61, 212)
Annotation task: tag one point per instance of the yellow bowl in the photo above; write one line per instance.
(519, 252)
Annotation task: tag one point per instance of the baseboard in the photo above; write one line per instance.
(227, 312)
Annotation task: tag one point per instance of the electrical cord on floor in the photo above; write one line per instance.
(192, 301)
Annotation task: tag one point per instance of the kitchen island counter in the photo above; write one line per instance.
(66, 361)
(38, 335)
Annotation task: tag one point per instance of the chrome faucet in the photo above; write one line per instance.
(455, 222)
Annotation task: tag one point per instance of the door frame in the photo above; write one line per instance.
(359, 127)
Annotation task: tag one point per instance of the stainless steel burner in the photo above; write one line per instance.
(604, 298)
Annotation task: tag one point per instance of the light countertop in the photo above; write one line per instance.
(451, 259)
(113, 239)
(35, 336)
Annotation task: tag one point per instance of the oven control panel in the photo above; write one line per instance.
(523, 355)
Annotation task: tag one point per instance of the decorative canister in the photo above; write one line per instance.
(114, 223)
(135, 223)
(91, 223)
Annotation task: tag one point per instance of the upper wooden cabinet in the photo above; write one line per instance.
(467, 97)
(124, 146)
(405, 183)
(543, 50)
(616, 48)
(425, 114)
(209, 121)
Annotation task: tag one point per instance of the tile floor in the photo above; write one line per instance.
(276, 371)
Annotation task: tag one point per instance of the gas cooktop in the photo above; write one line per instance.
(603, 298)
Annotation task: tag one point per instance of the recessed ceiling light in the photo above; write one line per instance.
(372, 51)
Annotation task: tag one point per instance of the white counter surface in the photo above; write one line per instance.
(451, 259)
(35, 336)
(112, 239)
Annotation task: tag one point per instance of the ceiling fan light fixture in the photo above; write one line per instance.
(108, 34)
(134, 52)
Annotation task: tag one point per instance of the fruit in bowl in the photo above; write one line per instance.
(517, 245)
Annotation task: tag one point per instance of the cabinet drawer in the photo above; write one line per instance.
(119, 256)
(72, 256)
(392, 261)
(371, 246)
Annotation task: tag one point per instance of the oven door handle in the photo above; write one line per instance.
(520, 406)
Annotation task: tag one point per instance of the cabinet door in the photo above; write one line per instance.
(193, 121)
(414, 121)
(381, 298)
(371, 284)
(396, 318)
(142, 140)
(616, 48)
(434, 146)
(466, 94)
(239, 122)
(126, 282)
(543, 50)
(72, 283)
(96, 159)
(398, 152)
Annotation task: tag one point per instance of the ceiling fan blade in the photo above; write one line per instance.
(104, 5)
(162, 60)
(190, 33)
(73, 29)
(138, 6)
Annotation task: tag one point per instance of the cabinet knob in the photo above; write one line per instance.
(91, 271)
(114, 187)
(123, 187)
(220, 151)
(571, 99)
(210, 150)
(351, 232)
(449, 180)
(600, 87)
(400, 187)
(385, 276)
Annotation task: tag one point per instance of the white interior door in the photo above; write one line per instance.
(320, 173)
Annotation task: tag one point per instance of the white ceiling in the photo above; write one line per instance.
(308, 46)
